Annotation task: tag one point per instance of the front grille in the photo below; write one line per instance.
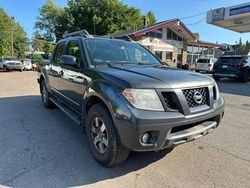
(189, 95)
(169, 101)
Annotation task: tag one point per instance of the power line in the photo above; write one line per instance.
(193, 16)
(197, 22)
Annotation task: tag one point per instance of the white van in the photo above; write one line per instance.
(205, 64)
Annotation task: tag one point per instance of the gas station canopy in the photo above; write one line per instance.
(235, 18)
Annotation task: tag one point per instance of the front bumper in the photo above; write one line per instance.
(14, 67)
(168, 129)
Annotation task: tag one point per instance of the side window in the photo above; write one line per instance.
(74, 50)
(59, 52)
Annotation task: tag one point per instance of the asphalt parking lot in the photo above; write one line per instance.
(44, 148)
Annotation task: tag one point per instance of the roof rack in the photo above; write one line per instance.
(83, 33)
(120, 37)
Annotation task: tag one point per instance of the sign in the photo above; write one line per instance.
(163, 48)
(218, 14)
(239, 10)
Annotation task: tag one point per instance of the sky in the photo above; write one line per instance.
(26, 12)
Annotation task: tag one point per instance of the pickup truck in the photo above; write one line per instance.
(125, 99)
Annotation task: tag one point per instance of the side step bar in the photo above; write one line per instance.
(67, 110)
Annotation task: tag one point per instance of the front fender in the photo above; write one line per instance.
(44, 74)
(111, 97)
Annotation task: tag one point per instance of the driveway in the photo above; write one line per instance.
(44, 148)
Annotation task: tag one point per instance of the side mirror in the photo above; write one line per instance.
(68, 60)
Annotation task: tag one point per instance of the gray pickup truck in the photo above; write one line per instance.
(125, 99)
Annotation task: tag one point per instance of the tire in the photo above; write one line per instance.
(21, 70)
(45, 96)
(216, 77)
(244, 77)
(112, 151)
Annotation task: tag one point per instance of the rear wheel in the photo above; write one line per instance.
(45, 96)
(102, 137)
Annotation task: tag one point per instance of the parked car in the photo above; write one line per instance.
(233, 66)
(27, 64)
(10, 63)
(205, 65)
(1, 65)
(125, 98)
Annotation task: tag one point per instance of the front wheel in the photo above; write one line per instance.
(102, 137)
(45, 96)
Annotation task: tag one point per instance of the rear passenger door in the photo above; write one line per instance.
(73, 80)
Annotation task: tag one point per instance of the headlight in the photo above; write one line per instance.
(146, 99)
(217, 91)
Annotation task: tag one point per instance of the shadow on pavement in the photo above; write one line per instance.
(234, 87)
(44, 148)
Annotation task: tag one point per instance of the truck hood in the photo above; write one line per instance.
(156, 76)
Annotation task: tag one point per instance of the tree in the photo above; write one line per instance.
(50, 22)
(20, 40)
(100, 17)
(150, 18)
(37, 43)
(197, 35)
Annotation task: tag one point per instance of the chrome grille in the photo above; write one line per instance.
(189, 95)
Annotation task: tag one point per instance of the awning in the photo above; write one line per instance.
(235, 18)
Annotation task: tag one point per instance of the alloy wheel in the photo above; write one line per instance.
(99, 135)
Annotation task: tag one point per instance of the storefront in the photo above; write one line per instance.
(172, 42)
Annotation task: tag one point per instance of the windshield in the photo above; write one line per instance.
(105, 52)
(231, 60)
(9, 59)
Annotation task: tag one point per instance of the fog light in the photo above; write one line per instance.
(145, 138)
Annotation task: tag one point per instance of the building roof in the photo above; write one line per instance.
(159, 25)
(210, 44)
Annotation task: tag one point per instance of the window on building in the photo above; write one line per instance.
(169, 56)
(175, 36)
(190, 49)
(158, 54)
(200, 50)
(195, 50)
(169, 34)
(210, 51)
(205, 51)
(179, 38)
(155, 34)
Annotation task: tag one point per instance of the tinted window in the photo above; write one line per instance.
(203, 61)
(59, 52)
(232, 60)
(103, 52)
(74, 50)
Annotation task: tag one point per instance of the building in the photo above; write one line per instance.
(235, 18)
(172, 42)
